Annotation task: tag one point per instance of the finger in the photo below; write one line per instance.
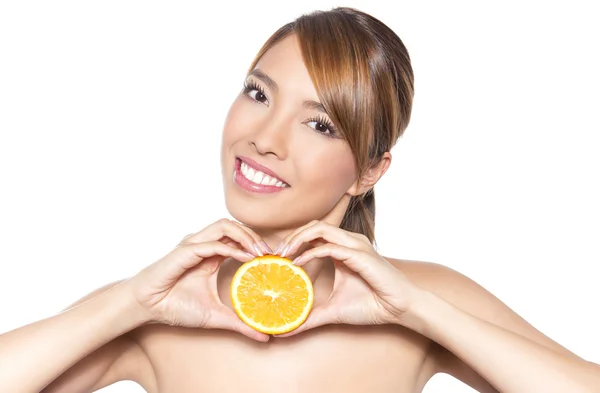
(226, 228)
(319, 316)
(190, 255)
(257, 239)
(313, 243)
(225, 318)
(317, 242)
(355, 260)
(230, 242)
(286, 239)
(325, 231)
(183, 240)
(173, 266)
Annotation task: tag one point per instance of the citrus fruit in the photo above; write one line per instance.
(272, 295)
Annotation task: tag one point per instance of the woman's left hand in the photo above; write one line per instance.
(367, 289)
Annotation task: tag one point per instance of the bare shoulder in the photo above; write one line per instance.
(449, 284)
(467, 295)
(463, 292)
(444, 281)
(423, 273)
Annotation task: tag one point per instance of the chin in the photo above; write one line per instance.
(259, 217)
(286, 210)
(265, 211)
(273, 217)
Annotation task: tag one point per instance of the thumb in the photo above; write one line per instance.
(228, 319)
(319, 316)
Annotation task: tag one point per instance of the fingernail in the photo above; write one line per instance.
(257, 249)
(251, 256)
(278, 248)
(266, 247)
(285, 250)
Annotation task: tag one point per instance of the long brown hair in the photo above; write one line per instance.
(363, 76)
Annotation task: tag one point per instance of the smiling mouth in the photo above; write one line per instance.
(258, 177)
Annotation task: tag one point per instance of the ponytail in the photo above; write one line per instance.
(360, 215)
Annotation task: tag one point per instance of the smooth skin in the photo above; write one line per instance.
(378, 324)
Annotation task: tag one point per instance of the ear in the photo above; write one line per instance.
(371, 176)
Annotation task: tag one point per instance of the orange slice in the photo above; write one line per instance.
(271, 295)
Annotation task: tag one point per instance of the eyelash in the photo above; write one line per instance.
(251, 85)
(323, 121)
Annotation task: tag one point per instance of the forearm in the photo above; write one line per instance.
(510, 362)
(34, 355)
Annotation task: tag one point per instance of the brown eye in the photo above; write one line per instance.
(319, 127)
(322, 126)
(255, 92)
(258, 96)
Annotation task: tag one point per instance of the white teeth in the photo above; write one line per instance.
(259, 177)
(244, 168)
(267, 180)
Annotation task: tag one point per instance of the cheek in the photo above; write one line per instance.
(232, 128)
(329, 168)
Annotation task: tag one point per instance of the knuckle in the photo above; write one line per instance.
(184, 241)
(363, 238)
(239, 224)
(187, 236)
(361, 253)
(193, 246)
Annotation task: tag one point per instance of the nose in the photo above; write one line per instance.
(272, 136)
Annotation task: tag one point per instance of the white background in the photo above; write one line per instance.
(110, 120)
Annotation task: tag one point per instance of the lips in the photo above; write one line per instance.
(257, 179)
(260, 174)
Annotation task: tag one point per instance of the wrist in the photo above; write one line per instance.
(417, 315)
(123, 300)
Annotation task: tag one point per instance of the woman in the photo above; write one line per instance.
(303, 146)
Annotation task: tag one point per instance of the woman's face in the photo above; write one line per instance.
(283, 163)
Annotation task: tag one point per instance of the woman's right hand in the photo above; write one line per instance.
(180, 289)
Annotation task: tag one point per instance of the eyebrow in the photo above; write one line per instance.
(272, 85)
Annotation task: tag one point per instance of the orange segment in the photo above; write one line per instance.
(271, 295)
